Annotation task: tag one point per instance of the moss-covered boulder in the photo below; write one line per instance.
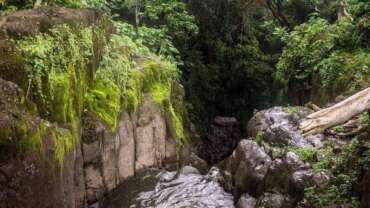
(33, 21)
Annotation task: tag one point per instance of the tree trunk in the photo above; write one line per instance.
(37, 4)
(137, 17)
(341, 112)
(342, 11)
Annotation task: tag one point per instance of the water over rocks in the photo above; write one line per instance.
(188, 190)
(263, 171)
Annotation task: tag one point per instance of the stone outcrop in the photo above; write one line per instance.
(246, 201)
(280, 167)
(32, 21)
(280, 127)
(77, 160)
(95, 167)
(248, 166)
(110, 158)
(29, 174)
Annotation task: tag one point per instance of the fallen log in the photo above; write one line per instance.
(339, 113)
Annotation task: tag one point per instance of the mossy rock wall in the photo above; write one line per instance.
(60, 68)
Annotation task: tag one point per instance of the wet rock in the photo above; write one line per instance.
(293, 162)
(112, 157)
(186, 170)
(274, 200)
(126, 152)
(171, 150)
(227, 182)
(95, 188)
(95, 205)
(279, 126)
(225, 121)
(288, 175)
(248, 166)
(150, 140)
(198, 163)
(246, 201)
(298, 181)
(192, 190)
(222, 138)
(321, 178)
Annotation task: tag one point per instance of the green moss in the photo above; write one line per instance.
(57, 67)
(63, 86)
(260, 137)
(103, 99)
(307, 154)
(364, 118)
(132, 94)
(178, 125)
(133, 77)
(291, 109)
(63, 144)
(346, 169)
(161, 93)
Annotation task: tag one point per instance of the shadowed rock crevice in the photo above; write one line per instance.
(220, 141)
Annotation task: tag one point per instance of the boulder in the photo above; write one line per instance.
(279, 126)
(198, 163)
(225, 121)
(186, 170)
(274, 200)
(289, 176)
(30, 22)
(320, 179)
(248, 166)
(246, 201)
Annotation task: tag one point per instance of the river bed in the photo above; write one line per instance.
(159, 189)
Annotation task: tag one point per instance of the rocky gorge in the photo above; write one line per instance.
(72, 136)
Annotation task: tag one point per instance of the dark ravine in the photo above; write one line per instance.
(273, 169)
(82, 144)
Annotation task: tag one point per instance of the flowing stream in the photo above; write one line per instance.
(154, 189)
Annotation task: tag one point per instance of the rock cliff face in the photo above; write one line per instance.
(95, 167)
(141, 141)
(55, 149)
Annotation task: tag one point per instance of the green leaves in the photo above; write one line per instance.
(328, 52)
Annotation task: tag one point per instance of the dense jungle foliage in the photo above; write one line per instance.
(241, 55)
(232, 57)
